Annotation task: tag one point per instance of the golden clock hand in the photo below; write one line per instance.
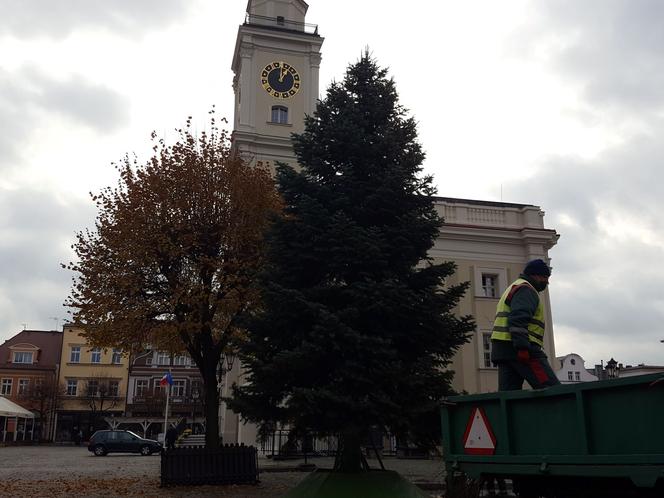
(282, 74)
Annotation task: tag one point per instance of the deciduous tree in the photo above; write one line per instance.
(357, 327)
(102, 394)
(44, 395)
(172, 257)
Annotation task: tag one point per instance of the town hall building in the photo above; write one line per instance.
(276, 64)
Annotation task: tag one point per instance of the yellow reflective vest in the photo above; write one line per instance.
(536, 325)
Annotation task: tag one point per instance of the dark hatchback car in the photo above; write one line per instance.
(118, 441)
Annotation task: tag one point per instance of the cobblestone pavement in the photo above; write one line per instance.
(55, 471)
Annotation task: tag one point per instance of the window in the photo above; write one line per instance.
(570, 375)
(177, 389)
(22, 357)
(72, 385)
(572, 361)
(180, 360)
(75, 355)
(95, 357)
(577, 376)
(489, 282)
(281, 20)
(489, 285)
(114, 388)
(124, 436)
(163, 358)
(148, 361)
(141, 387)
(486, 350)
(6, 387)
(93, 387)
(279, 114)
(117, 357)
(23, 386)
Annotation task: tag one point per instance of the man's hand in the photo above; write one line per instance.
(523, 355)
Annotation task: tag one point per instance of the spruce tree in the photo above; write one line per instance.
(356, 327)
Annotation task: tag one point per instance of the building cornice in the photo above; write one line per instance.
(252, 36)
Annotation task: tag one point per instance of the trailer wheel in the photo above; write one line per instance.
(459, 485)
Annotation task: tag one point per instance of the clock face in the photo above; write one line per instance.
(280, 79)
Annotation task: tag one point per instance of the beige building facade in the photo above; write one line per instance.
(94, 381)
(490, 242)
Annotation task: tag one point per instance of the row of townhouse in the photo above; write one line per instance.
(571, 369)
(74, 389)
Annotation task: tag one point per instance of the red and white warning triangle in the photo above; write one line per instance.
(479, 438)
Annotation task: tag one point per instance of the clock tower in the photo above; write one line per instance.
(275, 66)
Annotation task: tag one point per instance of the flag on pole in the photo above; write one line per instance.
(166, 379)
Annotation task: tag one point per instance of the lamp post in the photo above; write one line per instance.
(226, 362)
(612, 368)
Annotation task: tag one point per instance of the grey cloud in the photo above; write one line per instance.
(613, 48)
(14, 118)
(29, 97)
(57, 19)
(624, 180)
(90, 104)
(37, 231)
(607, 283)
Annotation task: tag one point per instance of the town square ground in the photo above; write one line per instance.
(66, 471)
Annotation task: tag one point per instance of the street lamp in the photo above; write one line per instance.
(612, 368)
(225, 366)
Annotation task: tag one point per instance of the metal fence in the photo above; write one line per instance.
(229, 464)
(283, 444)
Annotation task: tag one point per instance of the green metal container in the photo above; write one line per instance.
(608, 433)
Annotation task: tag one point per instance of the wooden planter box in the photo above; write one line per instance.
(229, 464)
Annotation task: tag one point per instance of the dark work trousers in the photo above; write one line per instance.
(537, 372)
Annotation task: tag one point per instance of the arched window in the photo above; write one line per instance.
(279, 114)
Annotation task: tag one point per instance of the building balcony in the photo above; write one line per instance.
(281, 23)
(173, 400)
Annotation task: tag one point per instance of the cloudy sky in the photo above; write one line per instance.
(557, 103)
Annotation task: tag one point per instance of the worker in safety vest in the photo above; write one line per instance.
(518, 332)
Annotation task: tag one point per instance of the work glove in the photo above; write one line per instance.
(523, 356)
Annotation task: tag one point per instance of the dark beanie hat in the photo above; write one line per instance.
(537, 267)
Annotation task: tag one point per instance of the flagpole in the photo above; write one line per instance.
(168, 395)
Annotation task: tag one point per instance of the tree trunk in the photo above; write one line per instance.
(211, 407)
(349, 453)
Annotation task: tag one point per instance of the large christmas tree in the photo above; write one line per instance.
(357, 325)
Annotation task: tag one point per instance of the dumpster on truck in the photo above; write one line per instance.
(602, 438)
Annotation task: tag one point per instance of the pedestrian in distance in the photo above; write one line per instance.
(171, 436)
(517, 339)
(78, 436)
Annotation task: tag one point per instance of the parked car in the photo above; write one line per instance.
(119, 441)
